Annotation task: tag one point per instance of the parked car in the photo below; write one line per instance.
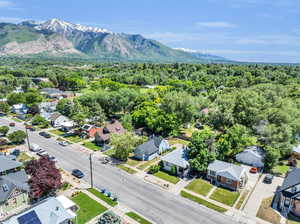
(42, 153)
(34, 147)
(268, 178)
(12, 124)
(2, 114)
(52, 158)
(63, 143)
(16, 152)
(77, 173)
(29, 127)
(253, 170)
(45, 134)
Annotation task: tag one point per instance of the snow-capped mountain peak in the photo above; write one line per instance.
(60, 26)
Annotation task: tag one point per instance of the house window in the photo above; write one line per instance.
(228, 181)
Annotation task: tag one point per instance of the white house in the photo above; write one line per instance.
(179, 159)
(58, 120)
(253, 156)
(48, 106)
(19, 109)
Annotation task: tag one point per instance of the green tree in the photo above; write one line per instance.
(15, 98)
(65, 107)
(201, 150)
(4, 107)
(4, 130)
(271, 158)
(17, 137)
(32, 98)
(39, 120)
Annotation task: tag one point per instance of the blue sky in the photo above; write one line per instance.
(245, 30)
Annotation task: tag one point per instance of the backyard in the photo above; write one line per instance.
(225, 196)
(200, 186)
(88, 208)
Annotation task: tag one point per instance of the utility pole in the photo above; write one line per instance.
(27, 136)
(91, 170)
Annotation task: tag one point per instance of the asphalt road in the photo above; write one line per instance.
(158, 205)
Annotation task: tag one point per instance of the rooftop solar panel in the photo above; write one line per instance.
(29, 218)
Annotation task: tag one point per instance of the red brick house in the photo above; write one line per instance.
(227, 175)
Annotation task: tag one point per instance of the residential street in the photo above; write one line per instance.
(156, 204)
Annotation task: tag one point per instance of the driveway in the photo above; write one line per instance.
(160, 206)
(261, 192)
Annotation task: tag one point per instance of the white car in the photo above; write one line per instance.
(63, 143)
(42, 153)
(34, 147)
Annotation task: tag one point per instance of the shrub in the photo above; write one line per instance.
(154, 169)
(173, 170)
(109, 218)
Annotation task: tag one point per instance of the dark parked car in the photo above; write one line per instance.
(268, 178)
(45, 134)
(12, 124)
(77, 173)
(2, 114)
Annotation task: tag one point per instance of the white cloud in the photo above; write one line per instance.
(216, 24)
(6, 4)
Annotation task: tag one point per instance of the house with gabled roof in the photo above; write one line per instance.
(287, 198)
(151, 149)
(227, 175)
(102, 135)
(14, 188)
(252, 156)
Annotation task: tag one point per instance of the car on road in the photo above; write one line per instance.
(45, 134)
(253, 170)
(63, 143)
(77, 173)
(12, 124)
(2, 114)
(52, 158)
(34, 147)
(268, 178)
(42, 153)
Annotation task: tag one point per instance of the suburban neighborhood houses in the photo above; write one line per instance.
(94, 149)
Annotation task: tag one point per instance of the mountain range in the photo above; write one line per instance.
(56, 38)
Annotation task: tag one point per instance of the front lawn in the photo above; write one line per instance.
(57, 132)
(200, 186)
(24, 157)
(242, 199)
(282, 168)
(133, 162)
(137, 218)
(73, 138)
(92, 146)
(127, 169)
(202, 202)
(101, 196)
(88, 208)
(146, 164)
(110, 152)
(225, 196)
(266, 212)
(167, 177)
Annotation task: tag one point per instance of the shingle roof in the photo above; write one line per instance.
(178, 157)
(50, 211)
(113, 127)
(227, 170)
(8, 164)
(149, 147)
(292, 179)
(17, 180)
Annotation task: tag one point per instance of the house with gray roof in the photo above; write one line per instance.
(227, 175)
(252, 156)
(179, 159)
(151, 149)
(14, 188)
(287, 197)
(49, 211)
